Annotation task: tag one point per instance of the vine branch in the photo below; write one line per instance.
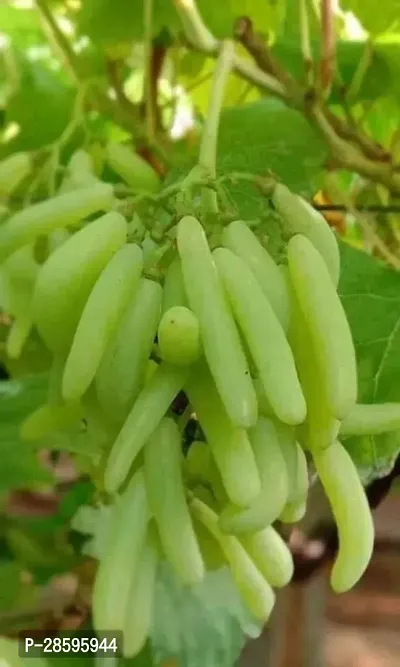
(208, 146)
(328, 39)
(349, 149)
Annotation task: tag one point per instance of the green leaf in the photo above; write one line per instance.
(376, 82)
(205, 625)
(21, 25)
(371, 297)
(268, 136)
(41, 106)
(375, 19)
(20, 466)
(113, 24)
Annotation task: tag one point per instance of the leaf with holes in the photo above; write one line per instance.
(371, 297)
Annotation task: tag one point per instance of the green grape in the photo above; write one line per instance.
(44, 217)
(68, 276)
(320, 428)
(4, 211)
(100, 318)
(173, 289)
(132, 168)
(294, 512)
(287, 443)
(18, 335)
(265, 337)
(18, 274)
(197, 462)
(264, 406)
(253, 587)
(230, 445)
(80, 172)
(302, 218)
(178, 336)
(219, 336)
(139, 611)
(119, 564)
(371, 419)
(150, 370)
(167, 501)
(238, 238)
(274, 484)
(48, 418)
(330, 333)
(210, 549)
(342, 485)
(122, 371)
(271, 556)
(199, 468)
(150, 407)
(13, 170)
(298, 488)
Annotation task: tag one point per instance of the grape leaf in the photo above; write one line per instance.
(376, 82)
(370, 294)
(21, 24)
(19, 467)
(41, 106)
(375, 22)
(206, 625)
(265, 136)
(113, 24)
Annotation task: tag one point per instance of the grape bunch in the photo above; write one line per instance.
(259, 354)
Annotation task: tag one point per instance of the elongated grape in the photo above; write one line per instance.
(173, 289)
(18, 275)
(118, 565)
(13, 170)
(48, 418)
(287, 443)
(100, 318)
(122, 371)
(132, 168)
(302, 218)
(265, 337)
(61, 211)
(179, 336)
(295, 508)
(167, 501)
(271, 555)
(199, 468)
(369, 419)
(253, 587)
(244, 243)
(326, 320)
(274, 484)
(80, 172)
(139, 611)
(294, 512)
(229, 444)
(68, 276)
(18, 335)
(219, 336)
(350, 507)
(145, 415)
(320, 428)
